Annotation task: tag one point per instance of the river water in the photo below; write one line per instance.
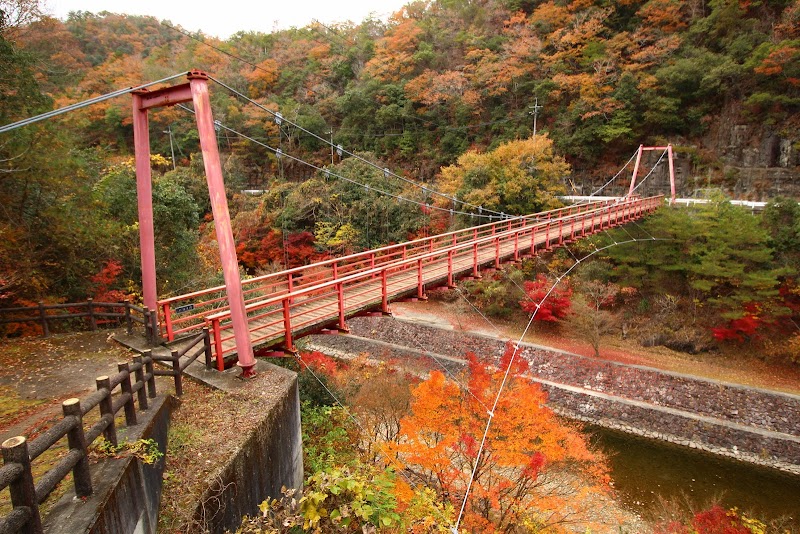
(644, 469)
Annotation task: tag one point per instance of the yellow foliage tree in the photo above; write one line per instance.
(518, 177)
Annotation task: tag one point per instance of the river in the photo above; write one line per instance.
(644, 470)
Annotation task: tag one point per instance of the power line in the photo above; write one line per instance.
(280, 154)
(386, 171)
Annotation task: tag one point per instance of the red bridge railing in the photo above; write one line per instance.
(186, 313)
(369, 281)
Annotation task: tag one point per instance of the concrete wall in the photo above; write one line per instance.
(269, 458)
(126, 491)
(751, 424)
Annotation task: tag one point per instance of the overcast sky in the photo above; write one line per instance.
(229, 16)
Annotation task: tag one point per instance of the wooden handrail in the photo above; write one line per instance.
(369, 273)
(43, 318)
(136, 382)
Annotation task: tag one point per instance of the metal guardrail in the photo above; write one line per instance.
(750, 204)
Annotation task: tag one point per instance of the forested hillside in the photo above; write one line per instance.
(413, 94)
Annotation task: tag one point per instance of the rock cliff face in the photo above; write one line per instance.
(756, 161)
(747, 161)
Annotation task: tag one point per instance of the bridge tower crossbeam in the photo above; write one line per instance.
(671, 164)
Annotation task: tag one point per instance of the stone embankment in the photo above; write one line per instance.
(750, 424)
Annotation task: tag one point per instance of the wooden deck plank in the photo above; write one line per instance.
(308, 311)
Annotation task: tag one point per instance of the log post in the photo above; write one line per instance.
(130, 409)
(107, 408)
(43, 320)
(77, 441)
(141, 393)
(23, 492)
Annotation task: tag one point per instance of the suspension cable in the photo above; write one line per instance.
(328, 172)
(83, 104)
(648, 174)
(615, 176)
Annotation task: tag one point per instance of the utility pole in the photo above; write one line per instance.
(331, 134)
(535, 112)
(171, 146)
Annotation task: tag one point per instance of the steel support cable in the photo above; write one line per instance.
(640, 227)
(401, 198)
(570, 252)
(83, 104)
(479, 312)
(454, 529)
(648, 174)
(616, 175)
(343, 150)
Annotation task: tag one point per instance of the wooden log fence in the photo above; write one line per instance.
(95, 313)
(133, 385)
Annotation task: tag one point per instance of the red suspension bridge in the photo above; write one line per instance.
(272, 311)
(283, 306)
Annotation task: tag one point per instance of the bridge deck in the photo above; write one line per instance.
(284, 306)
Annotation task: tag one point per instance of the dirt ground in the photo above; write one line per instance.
(37, 374)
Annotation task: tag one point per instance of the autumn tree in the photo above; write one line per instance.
(591, 318)
(344, 493)
(438, 81)
(373, 217)
(550, 300)
(715, 520)
(394, 52)
(14, 14)
(518, 177)
(531, 463)
(176, 216)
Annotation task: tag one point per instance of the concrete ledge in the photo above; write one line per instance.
(127, 492)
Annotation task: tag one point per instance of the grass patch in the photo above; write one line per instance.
(14, 406)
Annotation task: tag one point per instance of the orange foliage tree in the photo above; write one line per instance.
(532, 464)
